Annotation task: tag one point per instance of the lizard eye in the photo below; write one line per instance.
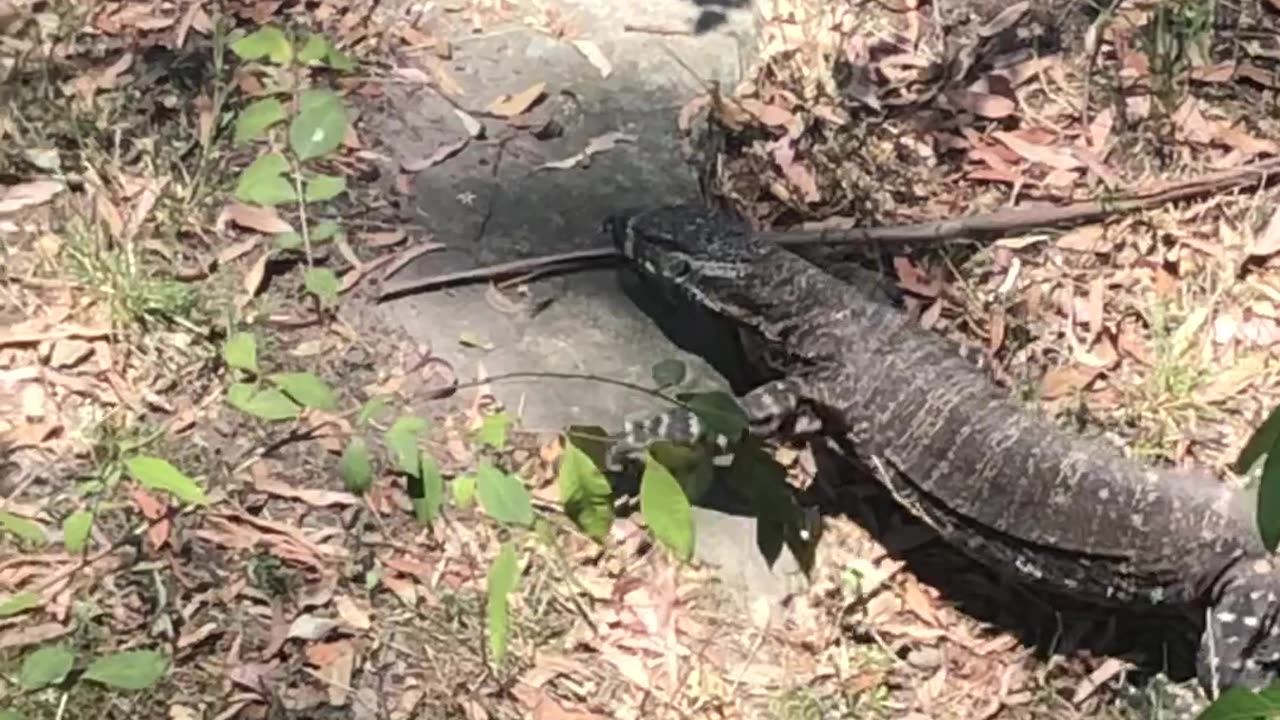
(678, 268)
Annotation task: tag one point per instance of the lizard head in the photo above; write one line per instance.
(1241, 641)
(704, 255)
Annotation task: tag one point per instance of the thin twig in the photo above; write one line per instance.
(837, 231)
(493, 271)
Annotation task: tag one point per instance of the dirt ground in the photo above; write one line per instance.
(324, 525)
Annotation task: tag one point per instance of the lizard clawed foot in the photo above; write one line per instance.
(1241, 641)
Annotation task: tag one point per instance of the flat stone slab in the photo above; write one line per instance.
(491, 204)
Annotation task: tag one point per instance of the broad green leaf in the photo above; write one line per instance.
(503, 496)
(779, 520)
(12, 715)
(241, 351)
(75, 531)
(339, 60)
(21, 602)
(666, 509)
(691, 466)
(22, 528)
(323, 283)
(1269, 501)
(306, 389)
(129, 670)
(314, 49)
(719, 411)
(320, 125)
(493, 431)
(269, 42)
(669, 372)
(269, 404)
(372, 409)
(322, 232)
(356, 466)
(503, 574)
(1262, 441)
(426, 491)
(264, 182)
(324, 187)
(256, 118)
(1240, 703)
(46, 666)
(402, 439)
(464, 491)
(158, 474)
(585, 493)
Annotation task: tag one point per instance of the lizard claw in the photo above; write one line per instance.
(1241, 641)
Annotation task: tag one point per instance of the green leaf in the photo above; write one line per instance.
(493, 431)
(20, 602)
(264, 181)
(129, 670)
(402, 439)
(241, 351)
(1239, 703)
(12, 715)
(270, 404)
(46, 666)
(666, 509)
(691, 466)
(426, 491)
(23, 528)
(75, 531)
(779, 519)
(339, 60)
(372, 409)
(319, 126)
(324, 187)
(158, 474)
(1262, 440)
(503, 496)
(503, 574)
(585, 493)
(322, 232)
(719, 411)
(1269, 501)
(256, 118)
(307, 389)
(314, 50)
(323, 283)
(669, 372)
(269, 42)
(464, 491)
(356, 466)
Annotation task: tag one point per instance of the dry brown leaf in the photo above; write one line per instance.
(351, 613)
(1065, 380)
(24, 195)
(474, 127)
(262, 219)
(153, 509)
(257, 272)
(1005, 19)
(986, 105)
(1054, 157)
(311, 496)
(919, 603)
(913, 279)
(24, 635)
(508, 106)
(595, 56)
(1109, 668)
(1086, 238)
(1267, 242)
(442, 153)
(795, 171)
(596, 145)
(235, 251)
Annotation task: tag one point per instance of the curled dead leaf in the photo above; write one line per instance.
(508, 106)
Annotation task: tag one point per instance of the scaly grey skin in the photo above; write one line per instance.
(1009, 488)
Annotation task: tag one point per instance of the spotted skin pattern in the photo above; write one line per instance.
(1009, 488)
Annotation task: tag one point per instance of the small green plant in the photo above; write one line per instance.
(317, 124)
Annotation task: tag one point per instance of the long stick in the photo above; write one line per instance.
(831, 232)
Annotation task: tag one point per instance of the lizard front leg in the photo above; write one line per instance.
(774, 409)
